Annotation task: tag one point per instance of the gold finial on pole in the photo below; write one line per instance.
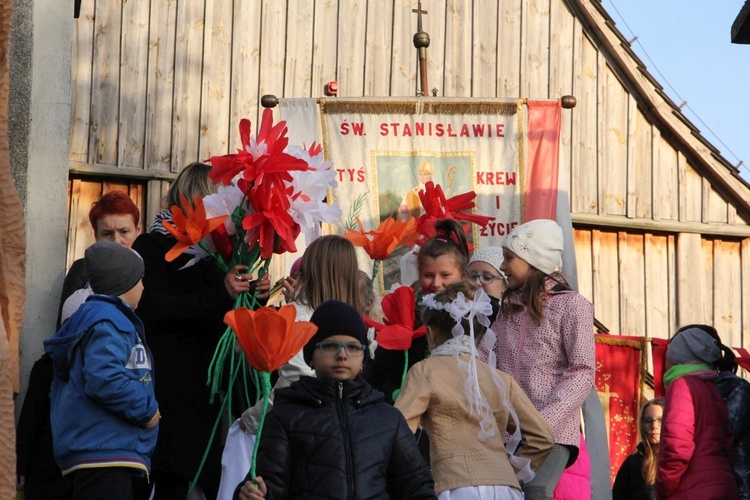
(421, 42)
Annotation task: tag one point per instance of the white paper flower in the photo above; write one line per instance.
(224, 202)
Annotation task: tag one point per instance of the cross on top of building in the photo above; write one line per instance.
(419, 11)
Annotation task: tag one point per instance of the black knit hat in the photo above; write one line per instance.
(111, 268)
(335, 318)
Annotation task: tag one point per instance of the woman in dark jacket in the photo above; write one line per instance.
(182, 310)
(637, 474)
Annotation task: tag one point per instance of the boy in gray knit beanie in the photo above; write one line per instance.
(104, 414)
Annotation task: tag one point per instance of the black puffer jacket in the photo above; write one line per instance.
(735, 392)
(330, 439)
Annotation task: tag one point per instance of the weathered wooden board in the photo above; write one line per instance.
(606, 283)
(727, 291)
(584, 198)
(535, 41)
(81, 69)
(632, 284)
(133, 83)
(351, 49)
(215, 87)
(458, 48)
(656, 258)
(298, 63)
(378, 48)
(161, 81)
(187, 83)
(245, 66)
(509, 50)
(612, 144)
(105, 84)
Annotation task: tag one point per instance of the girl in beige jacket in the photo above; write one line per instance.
(466, 407)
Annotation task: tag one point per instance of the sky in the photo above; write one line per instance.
(686, 45)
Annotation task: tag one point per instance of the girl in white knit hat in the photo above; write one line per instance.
(545, 341)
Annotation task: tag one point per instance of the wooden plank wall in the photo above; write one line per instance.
(158, 85)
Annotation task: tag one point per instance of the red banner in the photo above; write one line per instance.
(620, 373)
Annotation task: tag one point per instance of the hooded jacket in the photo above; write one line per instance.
(695, 450)
(331, 439)
(102, 391)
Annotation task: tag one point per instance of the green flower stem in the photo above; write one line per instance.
(403, 376)
(265, 378)
(375, 268)
(213, 435)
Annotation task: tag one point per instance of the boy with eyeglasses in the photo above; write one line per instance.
(332, 435)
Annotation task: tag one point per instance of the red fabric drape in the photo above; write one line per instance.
(619, 377)
(543, 159)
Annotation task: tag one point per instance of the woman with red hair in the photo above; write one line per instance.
(114, 218)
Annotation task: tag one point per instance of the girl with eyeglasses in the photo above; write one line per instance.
(637, 475)
(484, 271)
(332, 436)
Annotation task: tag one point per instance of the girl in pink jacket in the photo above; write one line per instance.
(696, 441)
(545, 341)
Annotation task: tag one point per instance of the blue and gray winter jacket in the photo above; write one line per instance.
(102, 391)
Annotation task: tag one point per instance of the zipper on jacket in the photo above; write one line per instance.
(341, 408)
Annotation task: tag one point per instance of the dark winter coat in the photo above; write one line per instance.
(182, 310)
(34, 457)
(630, 483)
(331, 439)
(735, 392)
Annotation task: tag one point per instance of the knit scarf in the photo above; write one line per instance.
(158, 225)
(678, 371)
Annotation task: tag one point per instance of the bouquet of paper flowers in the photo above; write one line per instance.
(269, 193)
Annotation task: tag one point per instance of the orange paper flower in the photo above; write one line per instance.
(380, 243)
(269, 337)
(189, 227)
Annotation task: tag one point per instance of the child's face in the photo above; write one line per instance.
(478, 271)
(515, 268)
(436, 274)
(345, 364)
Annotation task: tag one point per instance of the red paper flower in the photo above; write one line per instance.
(222, 242)
(398, 331)
(380, 243)
(271, 224)
(189, 227)
(258, 157)
(269, 338)
(437, 207)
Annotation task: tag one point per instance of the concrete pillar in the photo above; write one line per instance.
(39, 111)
